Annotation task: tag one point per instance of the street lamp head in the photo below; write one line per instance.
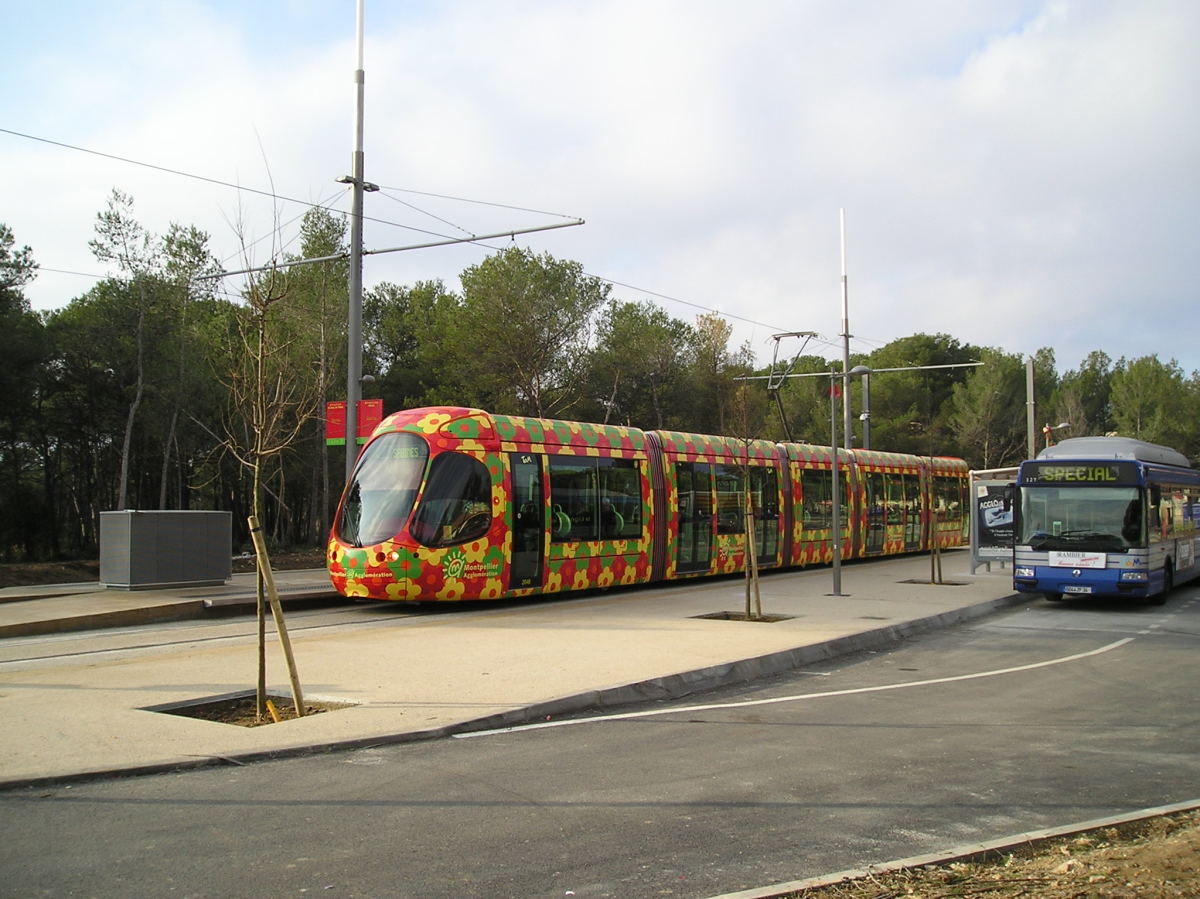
(860, 370)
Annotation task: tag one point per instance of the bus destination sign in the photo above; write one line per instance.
(1109, 474)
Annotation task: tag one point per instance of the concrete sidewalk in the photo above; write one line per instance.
(409, 677)
(60, 608)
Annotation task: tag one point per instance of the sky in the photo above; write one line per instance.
(1014, 173)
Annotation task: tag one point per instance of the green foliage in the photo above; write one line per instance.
(1083, 397)
(638, 370)
(805, 403)
(711, 377)
(151, 371)
(519, 340)
(401, 326)
(1151, 401)
(910, 410)
(987, 411)
(23, 529)
(17, 269)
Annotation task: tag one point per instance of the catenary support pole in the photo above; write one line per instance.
(836, 493)
(847, 425)
(1030, 410)
(354, 315)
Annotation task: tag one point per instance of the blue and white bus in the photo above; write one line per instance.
(1106, 516)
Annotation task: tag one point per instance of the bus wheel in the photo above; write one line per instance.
(1159, 599)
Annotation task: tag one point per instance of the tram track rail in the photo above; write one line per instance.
(154, 637)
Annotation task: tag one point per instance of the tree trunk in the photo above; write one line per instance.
(166, 466)
(123, 489)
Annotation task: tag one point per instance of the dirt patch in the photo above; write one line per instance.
(29, 574)
(22, 574)
(242, 710)
(1157, 858)
(741, 616)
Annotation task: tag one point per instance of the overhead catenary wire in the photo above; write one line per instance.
(508, 206)
(442, 239)
(205, 178)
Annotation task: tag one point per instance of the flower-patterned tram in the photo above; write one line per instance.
(451, 503)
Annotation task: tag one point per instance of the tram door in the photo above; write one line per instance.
(876, 513)
(912, 512)
(529, 521)
(695, 517)
(764, 492)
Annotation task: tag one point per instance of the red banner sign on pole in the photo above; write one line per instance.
(370, 414)
(335, 423)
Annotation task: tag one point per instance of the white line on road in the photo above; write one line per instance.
(625, 716)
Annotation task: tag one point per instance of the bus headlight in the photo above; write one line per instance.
(1134, 576)
(1023, 572)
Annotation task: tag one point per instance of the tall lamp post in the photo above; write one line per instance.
(843, 377)
(865, 373)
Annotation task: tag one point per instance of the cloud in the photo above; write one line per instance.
(1015, 174)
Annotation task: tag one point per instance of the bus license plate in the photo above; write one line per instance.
(1077, 588)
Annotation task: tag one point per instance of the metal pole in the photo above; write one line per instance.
(354, 317)
(1030, 410)
(866, 413)
(848, 427)
(836, 495)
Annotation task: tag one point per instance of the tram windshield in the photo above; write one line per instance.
(386, 481)
(1086, 519)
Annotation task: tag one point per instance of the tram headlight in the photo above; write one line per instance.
(1135, 576)
(1023, 572)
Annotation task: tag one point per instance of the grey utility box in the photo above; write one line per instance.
(140, 550)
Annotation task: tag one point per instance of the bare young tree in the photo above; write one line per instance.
(270, 399)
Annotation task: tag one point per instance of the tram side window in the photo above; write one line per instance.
(764, 493)
(620, 499)
(595, 499)
(816, 489)
(730, 500)
(948, 500)
(457, 504)
(815, 493)
(894, 485)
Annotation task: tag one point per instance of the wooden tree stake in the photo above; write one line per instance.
(264, 567)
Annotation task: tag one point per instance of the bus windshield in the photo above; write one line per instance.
(1095, 519)
(386, 481)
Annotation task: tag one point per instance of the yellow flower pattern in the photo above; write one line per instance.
(401, 568)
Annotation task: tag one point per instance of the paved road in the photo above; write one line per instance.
(1034, 717)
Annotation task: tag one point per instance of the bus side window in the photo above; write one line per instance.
(1154, 527)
